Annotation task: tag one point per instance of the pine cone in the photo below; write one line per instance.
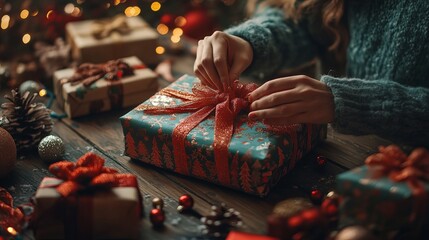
(220, 221)
(27, 122)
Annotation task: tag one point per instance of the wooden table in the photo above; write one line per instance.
(102, 133)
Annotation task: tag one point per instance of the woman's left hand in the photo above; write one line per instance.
(294, 99)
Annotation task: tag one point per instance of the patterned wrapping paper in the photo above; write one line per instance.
(77, 100)
(378, 202)
(256, 161)
(113, 214)
(141, 41)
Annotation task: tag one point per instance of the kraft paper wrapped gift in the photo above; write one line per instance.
(132, 36)
(78, 100)
(255, 158)
(112, 212)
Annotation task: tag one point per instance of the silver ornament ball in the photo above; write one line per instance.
(51, 148)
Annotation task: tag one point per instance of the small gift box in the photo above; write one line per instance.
(87, 201)
(101, 40)
(177, 130)
(95, 88)
(389, 195)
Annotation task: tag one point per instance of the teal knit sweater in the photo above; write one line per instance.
(386, 88)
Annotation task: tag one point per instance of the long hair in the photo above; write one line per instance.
(331, 13)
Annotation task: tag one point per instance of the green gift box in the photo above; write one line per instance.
(379, 203)
(256, 158)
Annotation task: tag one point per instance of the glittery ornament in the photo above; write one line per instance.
(186, 202)
(8, 153)
(355, 233)
(158, 203)
(316, 196)
(51, 148)
(157, 217)
(220, 220)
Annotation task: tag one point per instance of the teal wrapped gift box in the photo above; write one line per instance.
(257, 158)
(379, 203)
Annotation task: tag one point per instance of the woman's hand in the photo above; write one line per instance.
(295, 99)
(221, 58)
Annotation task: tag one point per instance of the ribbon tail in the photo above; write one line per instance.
(179, 137)
(224, 127)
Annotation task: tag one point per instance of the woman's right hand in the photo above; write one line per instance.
(221, 58)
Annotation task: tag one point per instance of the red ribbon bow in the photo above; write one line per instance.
(9, 216)
(203, 101)
(88, 173)
(412, 169)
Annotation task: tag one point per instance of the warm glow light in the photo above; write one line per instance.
(24, 14)
(116, 2)
(180, 21)
(48, 15)
(107, 5)
(155, 6)
(69, 8)
(178, 32)
(12, 231)
(80, 1)
(175, 39)
(159, 50)
(76, 12)
(162, 29)
(35, 13)
(5, 22)
(132, 11)
(26, 38)
(42, 92)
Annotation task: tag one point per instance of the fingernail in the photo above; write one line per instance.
(252, 115)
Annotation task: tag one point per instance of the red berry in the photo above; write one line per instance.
(157, 217)
(329, 207)
(316, 196)
(321, 160)
(186, 202)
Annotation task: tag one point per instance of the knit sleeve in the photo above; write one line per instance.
(382, 107)
(276, 42)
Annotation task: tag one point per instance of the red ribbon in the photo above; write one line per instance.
(9, 216)
(412, 169)
(202, 102)
(88, 173)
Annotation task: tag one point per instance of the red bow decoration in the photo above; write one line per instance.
(412, 169)
(9, 216)
(88, 173)
(202, 102)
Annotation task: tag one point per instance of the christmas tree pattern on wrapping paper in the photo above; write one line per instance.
(130, 146)
(168, 157)
(234, 171)
(197, 169)
(156, 155)
(142, 151)
(245, 179)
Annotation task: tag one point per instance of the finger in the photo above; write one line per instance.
(276, 85)
(199, 68)
(275, 99)
(209, 66)
(220, 61)
(285, 110)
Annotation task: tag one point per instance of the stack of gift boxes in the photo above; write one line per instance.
(98, 42)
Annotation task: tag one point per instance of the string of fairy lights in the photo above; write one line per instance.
(8, 20)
